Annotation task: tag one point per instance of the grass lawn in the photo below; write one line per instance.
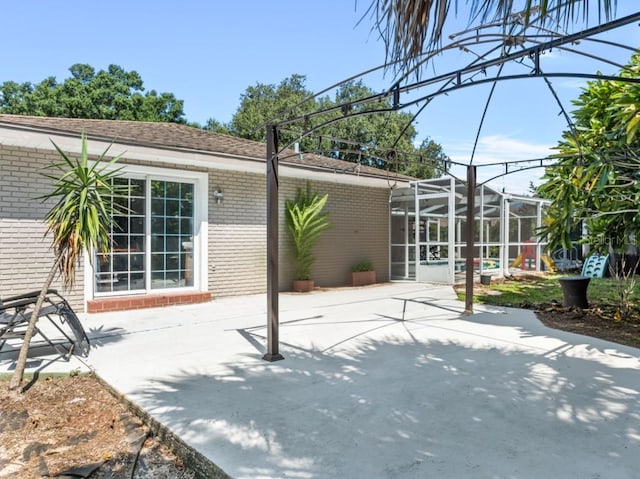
(543, 294)
(525, 291)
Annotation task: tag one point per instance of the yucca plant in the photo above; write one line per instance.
(305, 222)
(80, 220)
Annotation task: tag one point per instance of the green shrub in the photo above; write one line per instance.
(361, 266)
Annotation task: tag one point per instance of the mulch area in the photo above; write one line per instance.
(73, 424)
(599, 322)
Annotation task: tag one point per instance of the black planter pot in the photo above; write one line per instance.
(574, 291)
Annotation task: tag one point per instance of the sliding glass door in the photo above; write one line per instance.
(152, 245)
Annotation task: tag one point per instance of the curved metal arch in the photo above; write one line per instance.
(539, 74)
(461, 44)
(541, 164)
(445, 91)
(613, 157)
(464, 43)
(516, 19)
(456, 77)
(394, 93)
(531, 38)
(380, 155)
(536, 50)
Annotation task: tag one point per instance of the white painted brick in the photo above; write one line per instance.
(237, 229)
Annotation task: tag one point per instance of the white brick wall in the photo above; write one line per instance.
(237, 229)
(237, 234)
(25, 255)
(359, 218)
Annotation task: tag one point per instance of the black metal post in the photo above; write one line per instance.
(471, 222)
(273, 323)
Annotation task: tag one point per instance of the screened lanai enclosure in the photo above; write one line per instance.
(429, 226)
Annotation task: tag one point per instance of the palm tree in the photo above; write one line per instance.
(305, 221)
(408, 27)
(80, 220)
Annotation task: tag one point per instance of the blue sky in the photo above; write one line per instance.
(207, 52)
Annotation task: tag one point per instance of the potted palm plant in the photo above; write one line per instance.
(362, 273)
(305, 222)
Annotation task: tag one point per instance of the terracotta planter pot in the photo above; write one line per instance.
(363, 278)
(303, 285)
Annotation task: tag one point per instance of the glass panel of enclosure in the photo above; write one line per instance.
(461, 230)
(433, 238)
(402, 238)
(441, 227)
(158, 213)
(524, 250)
(491, 230)
(437, 237)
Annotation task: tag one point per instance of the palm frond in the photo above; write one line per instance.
(305, 222)
(410, 28)
(82, 216)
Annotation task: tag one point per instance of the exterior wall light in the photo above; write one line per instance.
(218, 195)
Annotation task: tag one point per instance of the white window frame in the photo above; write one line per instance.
(200, 231)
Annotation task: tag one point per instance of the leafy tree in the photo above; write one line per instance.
(627, 99)
(597, 179)
(80, 220)
(262, 103)
(369, 136)
(371, 131)
(421, 165)
(597, 176)
(375, 133)
(12, 96)
(214, 125)
(112, 94)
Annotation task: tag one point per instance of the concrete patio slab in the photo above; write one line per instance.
(363, 394)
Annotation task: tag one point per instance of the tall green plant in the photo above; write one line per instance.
(595, 182)
(596, 179)
(625, 283)
(80, 220)
(305, 222)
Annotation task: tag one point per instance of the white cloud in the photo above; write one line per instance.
(553, 54)
(576, 85)
(499, 151)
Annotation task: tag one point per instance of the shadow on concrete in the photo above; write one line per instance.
(102, 335)
(414, 403)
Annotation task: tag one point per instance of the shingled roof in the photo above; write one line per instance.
(179, 137)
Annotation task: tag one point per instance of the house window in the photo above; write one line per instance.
(153, 243)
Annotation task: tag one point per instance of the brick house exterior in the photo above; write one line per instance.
(229, 233)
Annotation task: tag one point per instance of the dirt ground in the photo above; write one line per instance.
(64, 423)
(598, 322)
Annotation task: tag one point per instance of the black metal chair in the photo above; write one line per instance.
(16, 311)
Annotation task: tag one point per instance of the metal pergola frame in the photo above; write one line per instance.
(446, 83)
